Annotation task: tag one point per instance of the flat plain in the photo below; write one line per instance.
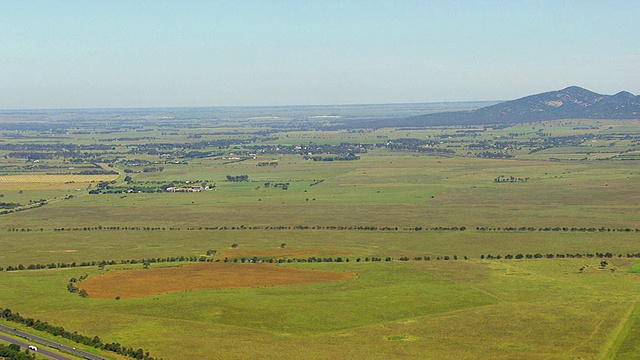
(453, 242)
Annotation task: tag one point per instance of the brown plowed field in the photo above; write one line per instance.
(129, 284)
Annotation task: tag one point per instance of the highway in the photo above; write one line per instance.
(24, 345)
(42, 343)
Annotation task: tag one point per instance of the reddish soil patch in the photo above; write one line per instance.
(147, 282)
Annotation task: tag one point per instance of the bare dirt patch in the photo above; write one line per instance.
(128, 284)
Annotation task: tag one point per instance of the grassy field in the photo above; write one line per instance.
(437, 309)
(407, 205)
(379, 190)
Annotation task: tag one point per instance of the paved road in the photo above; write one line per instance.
(24, 345)
(38, 341)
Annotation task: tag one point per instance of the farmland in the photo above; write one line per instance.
(475, 242)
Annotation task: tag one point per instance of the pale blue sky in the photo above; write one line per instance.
(131, 53)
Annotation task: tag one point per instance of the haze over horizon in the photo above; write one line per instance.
(125, 54)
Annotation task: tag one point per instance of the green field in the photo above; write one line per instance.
(565, 207)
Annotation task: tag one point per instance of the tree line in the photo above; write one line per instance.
(510, 179)
(518, 256)
(21, 207)
(243, 227)
(95, 341)
(556, 228)
(103, 263)
(335, 227)
(211, 253)
(237, 178)
(339, 259)
(596, 255)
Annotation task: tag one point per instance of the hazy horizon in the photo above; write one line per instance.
(248, 106)
(149, 54)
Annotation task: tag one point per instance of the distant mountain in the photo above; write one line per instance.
(571, 103)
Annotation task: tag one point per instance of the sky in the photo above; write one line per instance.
(183, 53)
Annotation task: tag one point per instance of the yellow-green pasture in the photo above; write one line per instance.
(381, 189)
(464, 309)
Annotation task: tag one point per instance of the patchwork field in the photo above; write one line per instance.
(45, 178)
(436, 243)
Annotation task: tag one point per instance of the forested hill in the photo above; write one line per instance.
(571, 103)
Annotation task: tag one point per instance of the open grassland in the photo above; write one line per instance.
(530, 309)
(383, 190)
(554, 188)
(67, 247)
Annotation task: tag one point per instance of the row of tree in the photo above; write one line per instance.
(104, 263)
(211, 253)
(493, 155)
(267, 163)
(510, 179)
(95, 341)
(333, 227)
(598, 255)
(243, 227)
(557, 228)
(237, 178)
(283, 186)
(23, 208)
(311, 259)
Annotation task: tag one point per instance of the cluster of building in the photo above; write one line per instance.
(188, 189)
